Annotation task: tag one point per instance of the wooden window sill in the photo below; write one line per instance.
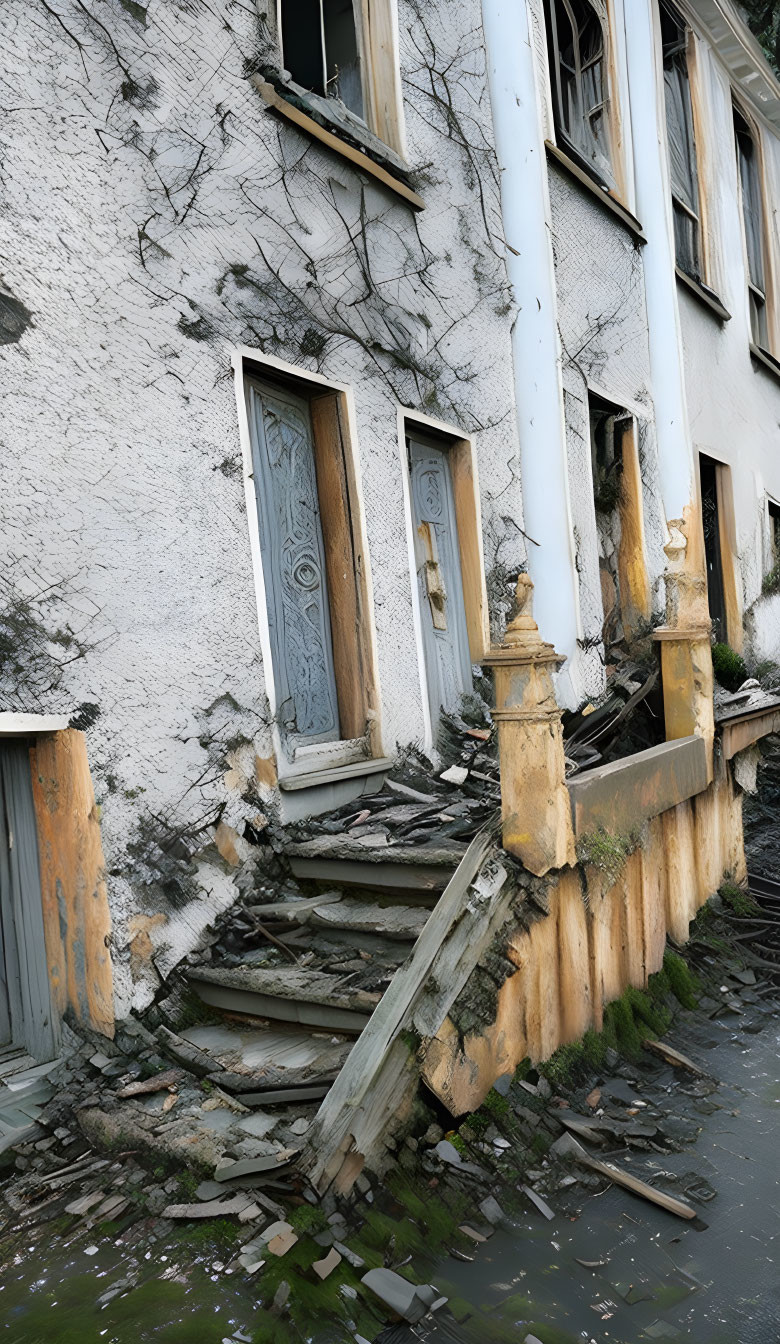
(611, 202)
(332, 774)
(365, 157)
(704, 295)
(766, 360)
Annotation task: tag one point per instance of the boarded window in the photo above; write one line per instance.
(321, 42)
(577, 43)
(753, 216)
(683, 169)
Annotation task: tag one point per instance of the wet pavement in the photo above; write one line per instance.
(649, 1275)
(715, 1281)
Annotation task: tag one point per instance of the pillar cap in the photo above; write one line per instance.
(683, 632)
(521, 642)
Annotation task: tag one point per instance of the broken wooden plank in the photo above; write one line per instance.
(568, 1144)
(213, 1208)
(158, 1083)
(673, 1057)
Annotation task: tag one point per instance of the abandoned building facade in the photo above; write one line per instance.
(322, 322)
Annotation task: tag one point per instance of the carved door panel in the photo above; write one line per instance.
(25, 997)
(293, 556)
(440, 586)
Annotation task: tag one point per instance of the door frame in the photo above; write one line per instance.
(468, 518)
(40, 1039)
(246, 360)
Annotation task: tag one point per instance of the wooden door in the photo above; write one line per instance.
(293, 556)
(439, 580)
(25, 1002)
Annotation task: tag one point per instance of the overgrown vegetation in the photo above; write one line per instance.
(607, 851)
(763, 18)
(635, 1016)
(728, 667)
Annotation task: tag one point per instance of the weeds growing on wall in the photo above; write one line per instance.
(728, 667)
(607, 851)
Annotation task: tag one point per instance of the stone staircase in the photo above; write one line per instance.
(286, 1012)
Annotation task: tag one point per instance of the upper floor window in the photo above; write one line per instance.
(683, 167)
(346, 51)
(753, 216)
(577, 41)
(321, 49)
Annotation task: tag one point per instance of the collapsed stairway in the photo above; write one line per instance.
(285, 1008)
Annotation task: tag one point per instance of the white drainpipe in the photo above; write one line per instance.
(525, 208)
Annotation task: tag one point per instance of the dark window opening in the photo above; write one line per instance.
(608, 425)
(576, 43)
(321, 49)
(682, 145)
(753, 216)
(710, 516)
(774, 524)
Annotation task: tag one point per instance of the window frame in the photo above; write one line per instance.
(338, 475)
(611, 181)
(377, 45)
(754, 292)
(685, 47)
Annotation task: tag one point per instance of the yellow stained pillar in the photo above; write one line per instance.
(686, 652)
(535, 807)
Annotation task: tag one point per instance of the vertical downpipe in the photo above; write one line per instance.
(525, 209)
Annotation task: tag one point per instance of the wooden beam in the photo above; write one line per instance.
(359, 159)
(622, 795)
(472, 561)
(341, 565)
(76, 917)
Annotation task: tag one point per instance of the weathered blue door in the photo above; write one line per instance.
(25, 996)
(440, 585)
(293, 556)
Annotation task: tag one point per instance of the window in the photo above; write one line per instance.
(682, 144)
(345, 52)
(313, 572)
(321, 49)
(753, 217)
(774, 532)
(617, 500)
(713, 553)
(577, 43)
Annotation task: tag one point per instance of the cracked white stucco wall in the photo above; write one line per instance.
(156, 216)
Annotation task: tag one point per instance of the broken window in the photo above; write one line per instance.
(321, 42)
(312, 570)
(753, 216)
(577, 42)
(713, 553)
(683, 169)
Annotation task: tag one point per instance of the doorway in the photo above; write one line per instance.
(439, 578)
(26, 1018)
(713, 556)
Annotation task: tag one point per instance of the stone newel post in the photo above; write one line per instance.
(535, 807)
(686, 653)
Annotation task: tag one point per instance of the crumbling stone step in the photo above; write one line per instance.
(285, 994)
(335, 859)
(256, 1060)
(402, 922)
